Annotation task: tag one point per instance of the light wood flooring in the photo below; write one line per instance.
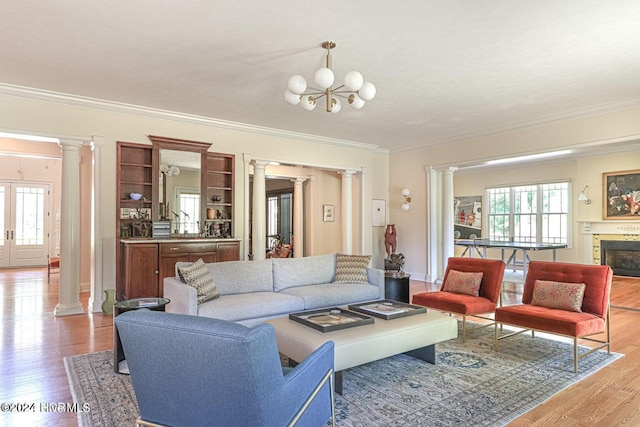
(33, 343)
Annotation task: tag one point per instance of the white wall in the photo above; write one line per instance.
(132, 125)
(408, 170)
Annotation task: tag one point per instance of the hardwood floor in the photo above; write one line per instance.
(34, 342)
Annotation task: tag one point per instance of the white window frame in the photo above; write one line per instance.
(539, 225)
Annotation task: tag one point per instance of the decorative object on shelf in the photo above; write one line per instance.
(621, 195)
(329, 213)
(109, 301)
(216, 198)
(390, 242)
(583, 196)
(354, 90)
(211, 213)
(135, 196)
(395, 262)
(407, 200)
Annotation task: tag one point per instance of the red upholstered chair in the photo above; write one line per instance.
(593, 320)
(468, 305)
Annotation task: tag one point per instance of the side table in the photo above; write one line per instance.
(153, 304)
(396, 286)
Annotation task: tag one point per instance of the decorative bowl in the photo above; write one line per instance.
(135, 196)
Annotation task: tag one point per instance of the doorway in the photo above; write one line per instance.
(24, 223)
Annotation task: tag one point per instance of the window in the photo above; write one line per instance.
(189, 215)
(279, 212)
(529, 213)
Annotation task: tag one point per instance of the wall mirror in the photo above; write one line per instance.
(178, 183)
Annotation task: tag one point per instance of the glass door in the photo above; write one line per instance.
(24, 212)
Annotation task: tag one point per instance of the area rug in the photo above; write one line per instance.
(470, 385)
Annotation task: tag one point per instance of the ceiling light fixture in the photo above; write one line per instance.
(354, 90)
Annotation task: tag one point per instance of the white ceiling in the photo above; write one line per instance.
(444, 70)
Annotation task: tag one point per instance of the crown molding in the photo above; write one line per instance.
(156, 113)
(583, 113)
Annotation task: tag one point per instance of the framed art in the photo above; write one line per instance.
(621, 195)
(329, 213)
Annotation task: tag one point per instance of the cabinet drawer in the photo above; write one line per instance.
(176, 248)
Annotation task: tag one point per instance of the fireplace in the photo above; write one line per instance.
(623, 256)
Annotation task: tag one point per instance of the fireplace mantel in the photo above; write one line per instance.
(610, 227)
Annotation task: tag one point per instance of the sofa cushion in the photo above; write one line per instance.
(241, 277)
(197, 275)
(239, 307)
(351, 268)
(456, 303)
(304, 271)
(562, 322)
(559, 295)
(334, 294)
(461, 282)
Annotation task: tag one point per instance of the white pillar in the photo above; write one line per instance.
(259, 219)
(347, 211)
(298, 218)
(447, 215)
(69, 294)
(433, 224)
(97, 294)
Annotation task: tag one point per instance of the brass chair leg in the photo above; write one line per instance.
(464, 328)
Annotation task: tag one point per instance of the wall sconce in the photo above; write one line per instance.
(583, 196)
(405, 193)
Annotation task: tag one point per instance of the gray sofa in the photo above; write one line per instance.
(254, 291)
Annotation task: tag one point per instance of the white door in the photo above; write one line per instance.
(25, 224)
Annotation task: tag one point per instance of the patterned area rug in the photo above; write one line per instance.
(470, 385)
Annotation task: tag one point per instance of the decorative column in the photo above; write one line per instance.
(298, 218)
(433, 223)
(347, 211)
(69, 293)
(447, 215)
(97, 294)
(259, 218)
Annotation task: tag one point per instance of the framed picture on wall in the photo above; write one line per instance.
(329, 213)
(378, 213)
(621, 195)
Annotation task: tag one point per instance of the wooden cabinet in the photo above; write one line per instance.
(135, 177)
(142, 261)
(228, 251)
(146, 263)
(139, 271)
(219, 193)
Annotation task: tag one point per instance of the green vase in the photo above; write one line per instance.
(110, 300)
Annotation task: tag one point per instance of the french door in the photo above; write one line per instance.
(24, 224)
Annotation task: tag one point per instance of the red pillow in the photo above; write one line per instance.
(558, 295)
(462, 282)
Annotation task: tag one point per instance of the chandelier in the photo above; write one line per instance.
(354, 90)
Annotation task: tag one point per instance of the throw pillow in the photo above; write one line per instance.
(559, 295)
(462, 282)
(197, 275)
(351, 268)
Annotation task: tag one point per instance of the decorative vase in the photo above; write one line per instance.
(110, 300)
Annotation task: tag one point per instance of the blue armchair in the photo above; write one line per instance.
(198, 371)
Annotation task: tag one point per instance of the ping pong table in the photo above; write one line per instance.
(479, 247)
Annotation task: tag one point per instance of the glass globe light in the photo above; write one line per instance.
(324, 78)
(355, 102)
(353, 81)
(291, 97)
(164, 168)
(405, 206)
(175, 170)
(297, 84)
(406, 192)
(308, 103)
(367, 92)
(336, 105)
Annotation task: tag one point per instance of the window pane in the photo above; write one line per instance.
(189, 212)
(29, 216)
(534, 213)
